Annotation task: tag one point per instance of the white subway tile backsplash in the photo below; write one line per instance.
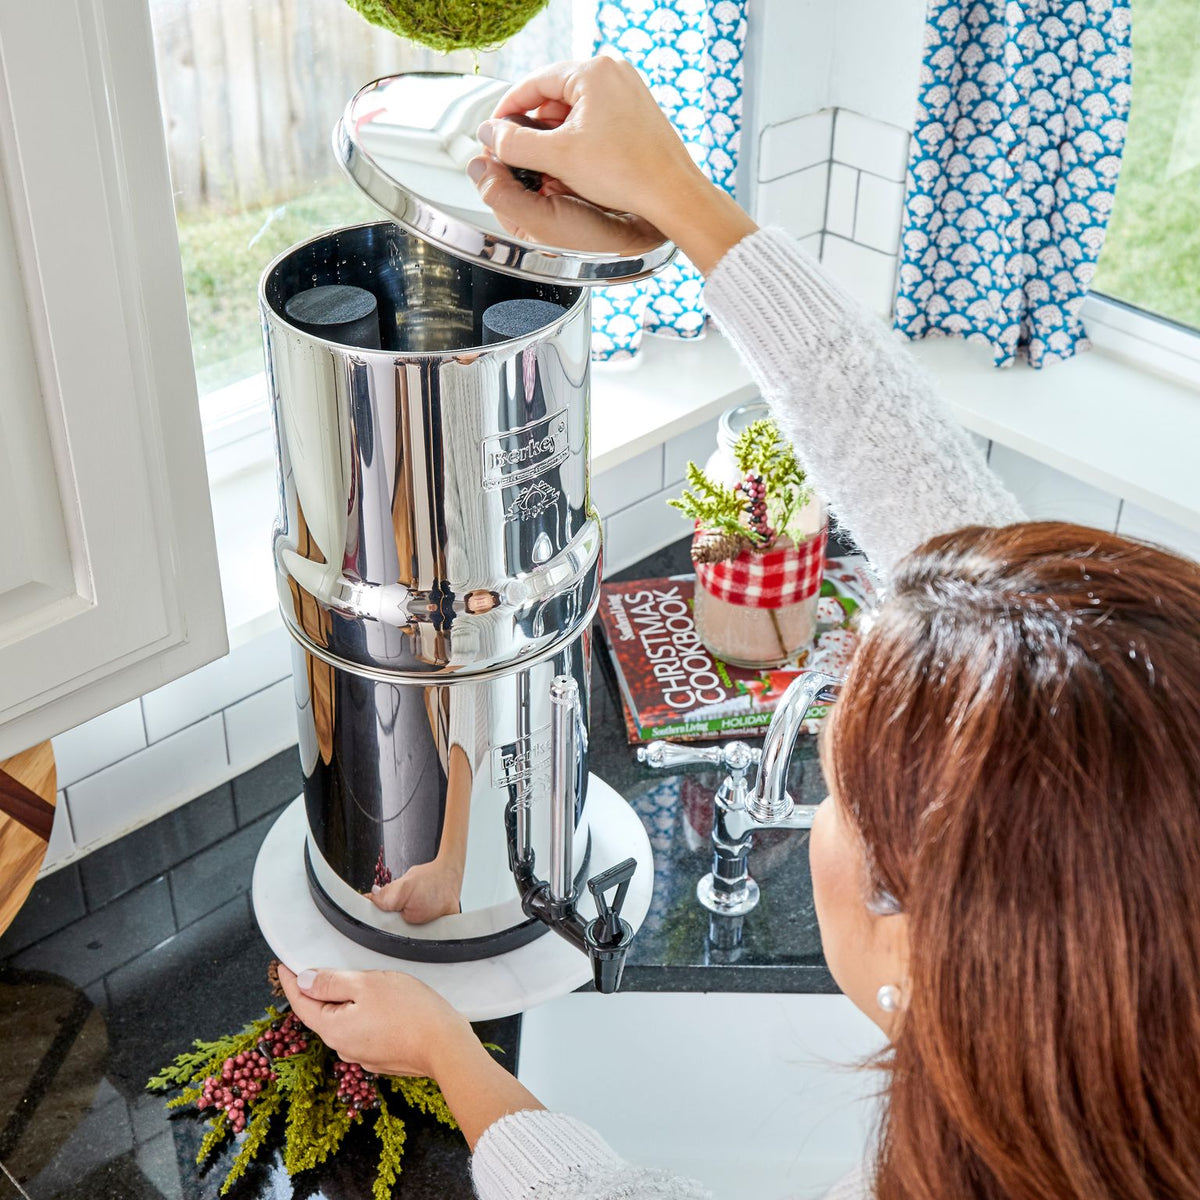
(62, 841)
(643, 528)
(868, 274)
(843, 197)
(694, 446)
(98, 743)
(1047, 494)
(813, 244)
(146, 785)
(260, 726)
(877, 220)
(793, 145)
(245, 670)
(870, 145)
(1138, 522)
(796, 202)
(628, 481)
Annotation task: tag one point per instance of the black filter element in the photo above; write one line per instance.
(516, 318)
(337, 313)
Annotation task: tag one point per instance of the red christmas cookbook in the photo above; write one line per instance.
(672, 687)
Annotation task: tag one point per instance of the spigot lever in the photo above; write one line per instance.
(608, 926)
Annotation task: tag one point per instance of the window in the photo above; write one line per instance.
(250, 91)
(1151, 258)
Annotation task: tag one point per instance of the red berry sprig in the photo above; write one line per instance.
(755, 491)
(235, 1089)
(383, 875)
(356, 1087)
(286, 1038)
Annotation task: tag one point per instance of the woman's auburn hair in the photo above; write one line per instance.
(1018, 744)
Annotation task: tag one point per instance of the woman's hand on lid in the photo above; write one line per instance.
(617, 178)
(611, 142)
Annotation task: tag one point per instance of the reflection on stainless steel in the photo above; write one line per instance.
(421, 476)
(739, 806)
(564, 719)
(417, 778)
(406, 141)
(438, 567)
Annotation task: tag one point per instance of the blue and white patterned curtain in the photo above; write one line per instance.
(1014, 163)
(690, 54)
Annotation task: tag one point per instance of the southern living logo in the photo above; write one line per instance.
(519, 454)
(518, 760)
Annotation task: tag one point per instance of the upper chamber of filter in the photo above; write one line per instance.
(434, 515)
(428, 301)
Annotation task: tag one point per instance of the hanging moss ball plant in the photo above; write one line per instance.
(451, 24)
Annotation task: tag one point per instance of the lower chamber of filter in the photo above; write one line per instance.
(510, 928)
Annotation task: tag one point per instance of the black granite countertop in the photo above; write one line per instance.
(681, 947)
(118, 961)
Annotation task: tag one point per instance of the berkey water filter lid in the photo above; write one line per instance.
(406, 141)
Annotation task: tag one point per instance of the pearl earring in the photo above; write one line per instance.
(888, 998)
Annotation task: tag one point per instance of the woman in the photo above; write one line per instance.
(1007, 872)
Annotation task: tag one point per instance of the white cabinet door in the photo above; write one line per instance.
(108, 571)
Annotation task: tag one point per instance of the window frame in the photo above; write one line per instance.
(1143, 338)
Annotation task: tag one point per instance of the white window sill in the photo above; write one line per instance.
(670, 388)
(1122, 428)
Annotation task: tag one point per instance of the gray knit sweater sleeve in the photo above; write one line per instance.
(540, 1155)
(868, 426)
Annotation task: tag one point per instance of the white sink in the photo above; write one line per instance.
(754, 1095)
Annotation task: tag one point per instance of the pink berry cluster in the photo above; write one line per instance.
(235, 1089)
(356, 1087)
(755, 491)
(383, 876)
(289, 1037)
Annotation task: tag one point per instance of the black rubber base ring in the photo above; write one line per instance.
(447, 950)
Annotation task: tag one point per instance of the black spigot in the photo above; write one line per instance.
(608, 937)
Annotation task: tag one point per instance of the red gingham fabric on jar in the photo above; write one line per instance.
(768, 580)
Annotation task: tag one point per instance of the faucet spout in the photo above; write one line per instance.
(768, 802)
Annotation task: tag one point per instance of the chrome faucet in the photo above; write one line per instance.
(740, 806)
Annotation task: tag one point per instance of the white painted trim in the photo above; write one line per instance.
(1143, 338)
(86, 172)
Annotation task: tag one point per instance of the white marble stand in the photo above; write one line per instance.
(490, 987)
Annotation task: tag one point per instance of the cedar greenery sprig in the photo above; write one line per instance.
(757, 512)
(303, 1087)
(718, 509)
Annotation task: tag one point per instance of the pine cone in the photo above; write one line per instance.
(716, 547)
(273, 977)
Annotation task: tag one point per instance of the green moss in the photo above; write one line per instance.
(451, 24)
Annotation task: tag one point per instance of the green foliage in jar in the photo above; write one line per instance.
(755, 513)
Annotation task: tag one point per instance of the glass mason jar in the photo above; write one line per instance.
(760, 610)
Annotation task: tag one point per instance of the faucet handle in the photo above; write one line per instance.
(671, 754)
(733, 756)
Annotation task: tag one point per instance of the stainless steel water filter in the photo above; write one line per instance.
(437, 559)
(438, 567)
